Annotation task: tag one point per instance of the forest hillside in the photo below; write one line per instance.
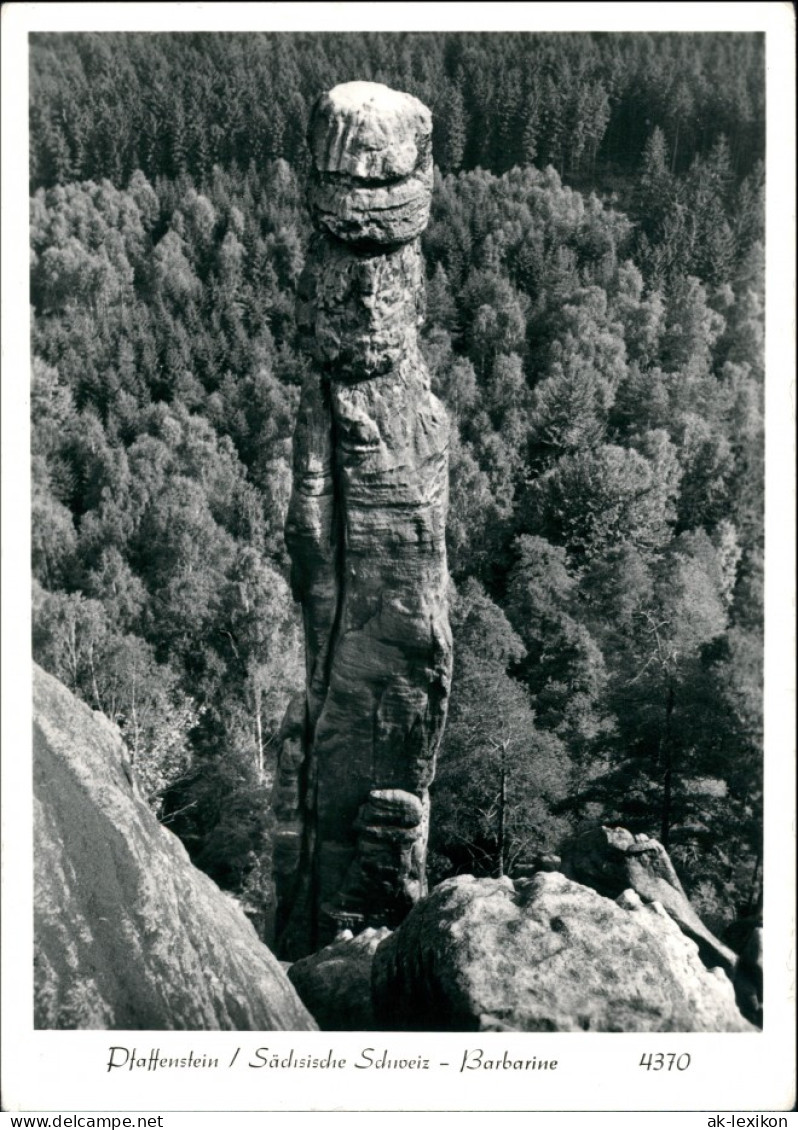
(595, 326)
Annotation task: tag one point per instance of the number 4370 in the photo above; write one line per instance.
(667, 1061)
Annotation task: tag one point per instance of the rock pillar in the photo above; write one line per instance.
(365, 532)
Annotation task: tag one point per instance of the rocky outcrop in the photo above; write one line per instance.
(545, 954)
(335, 983)
(127, 933)
(610, 860)
(365, 531)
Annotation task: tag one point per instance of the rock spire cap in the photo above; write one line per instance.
(368, 131)
(371, 177)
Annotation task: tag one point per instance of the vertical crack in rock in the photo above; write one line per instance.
(365, 531)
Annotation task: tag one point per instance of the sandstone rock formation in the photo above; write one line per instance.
(611, 859)
(365, 531)
(335, 983)
(545, 954)
(127, 933)
(371, 174)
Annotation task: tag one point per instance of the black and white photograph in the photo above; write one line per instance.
(398, 671)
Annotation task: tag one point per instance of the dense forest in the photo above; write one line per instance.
(595, 326)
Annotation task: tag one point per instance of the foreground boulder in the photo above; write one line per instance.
(545, 954)
(610, 860)
(128, 934)
(335, 983)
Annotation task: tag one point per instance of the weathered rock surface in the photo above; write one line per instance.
(369, 131)
(128, 934)
(612, 859)
(366, 535)
(358, 314)
(335, 983)
(545, 955)
(371, 153)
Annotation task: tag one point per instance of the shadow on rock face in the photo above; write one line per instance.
(335, 983)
